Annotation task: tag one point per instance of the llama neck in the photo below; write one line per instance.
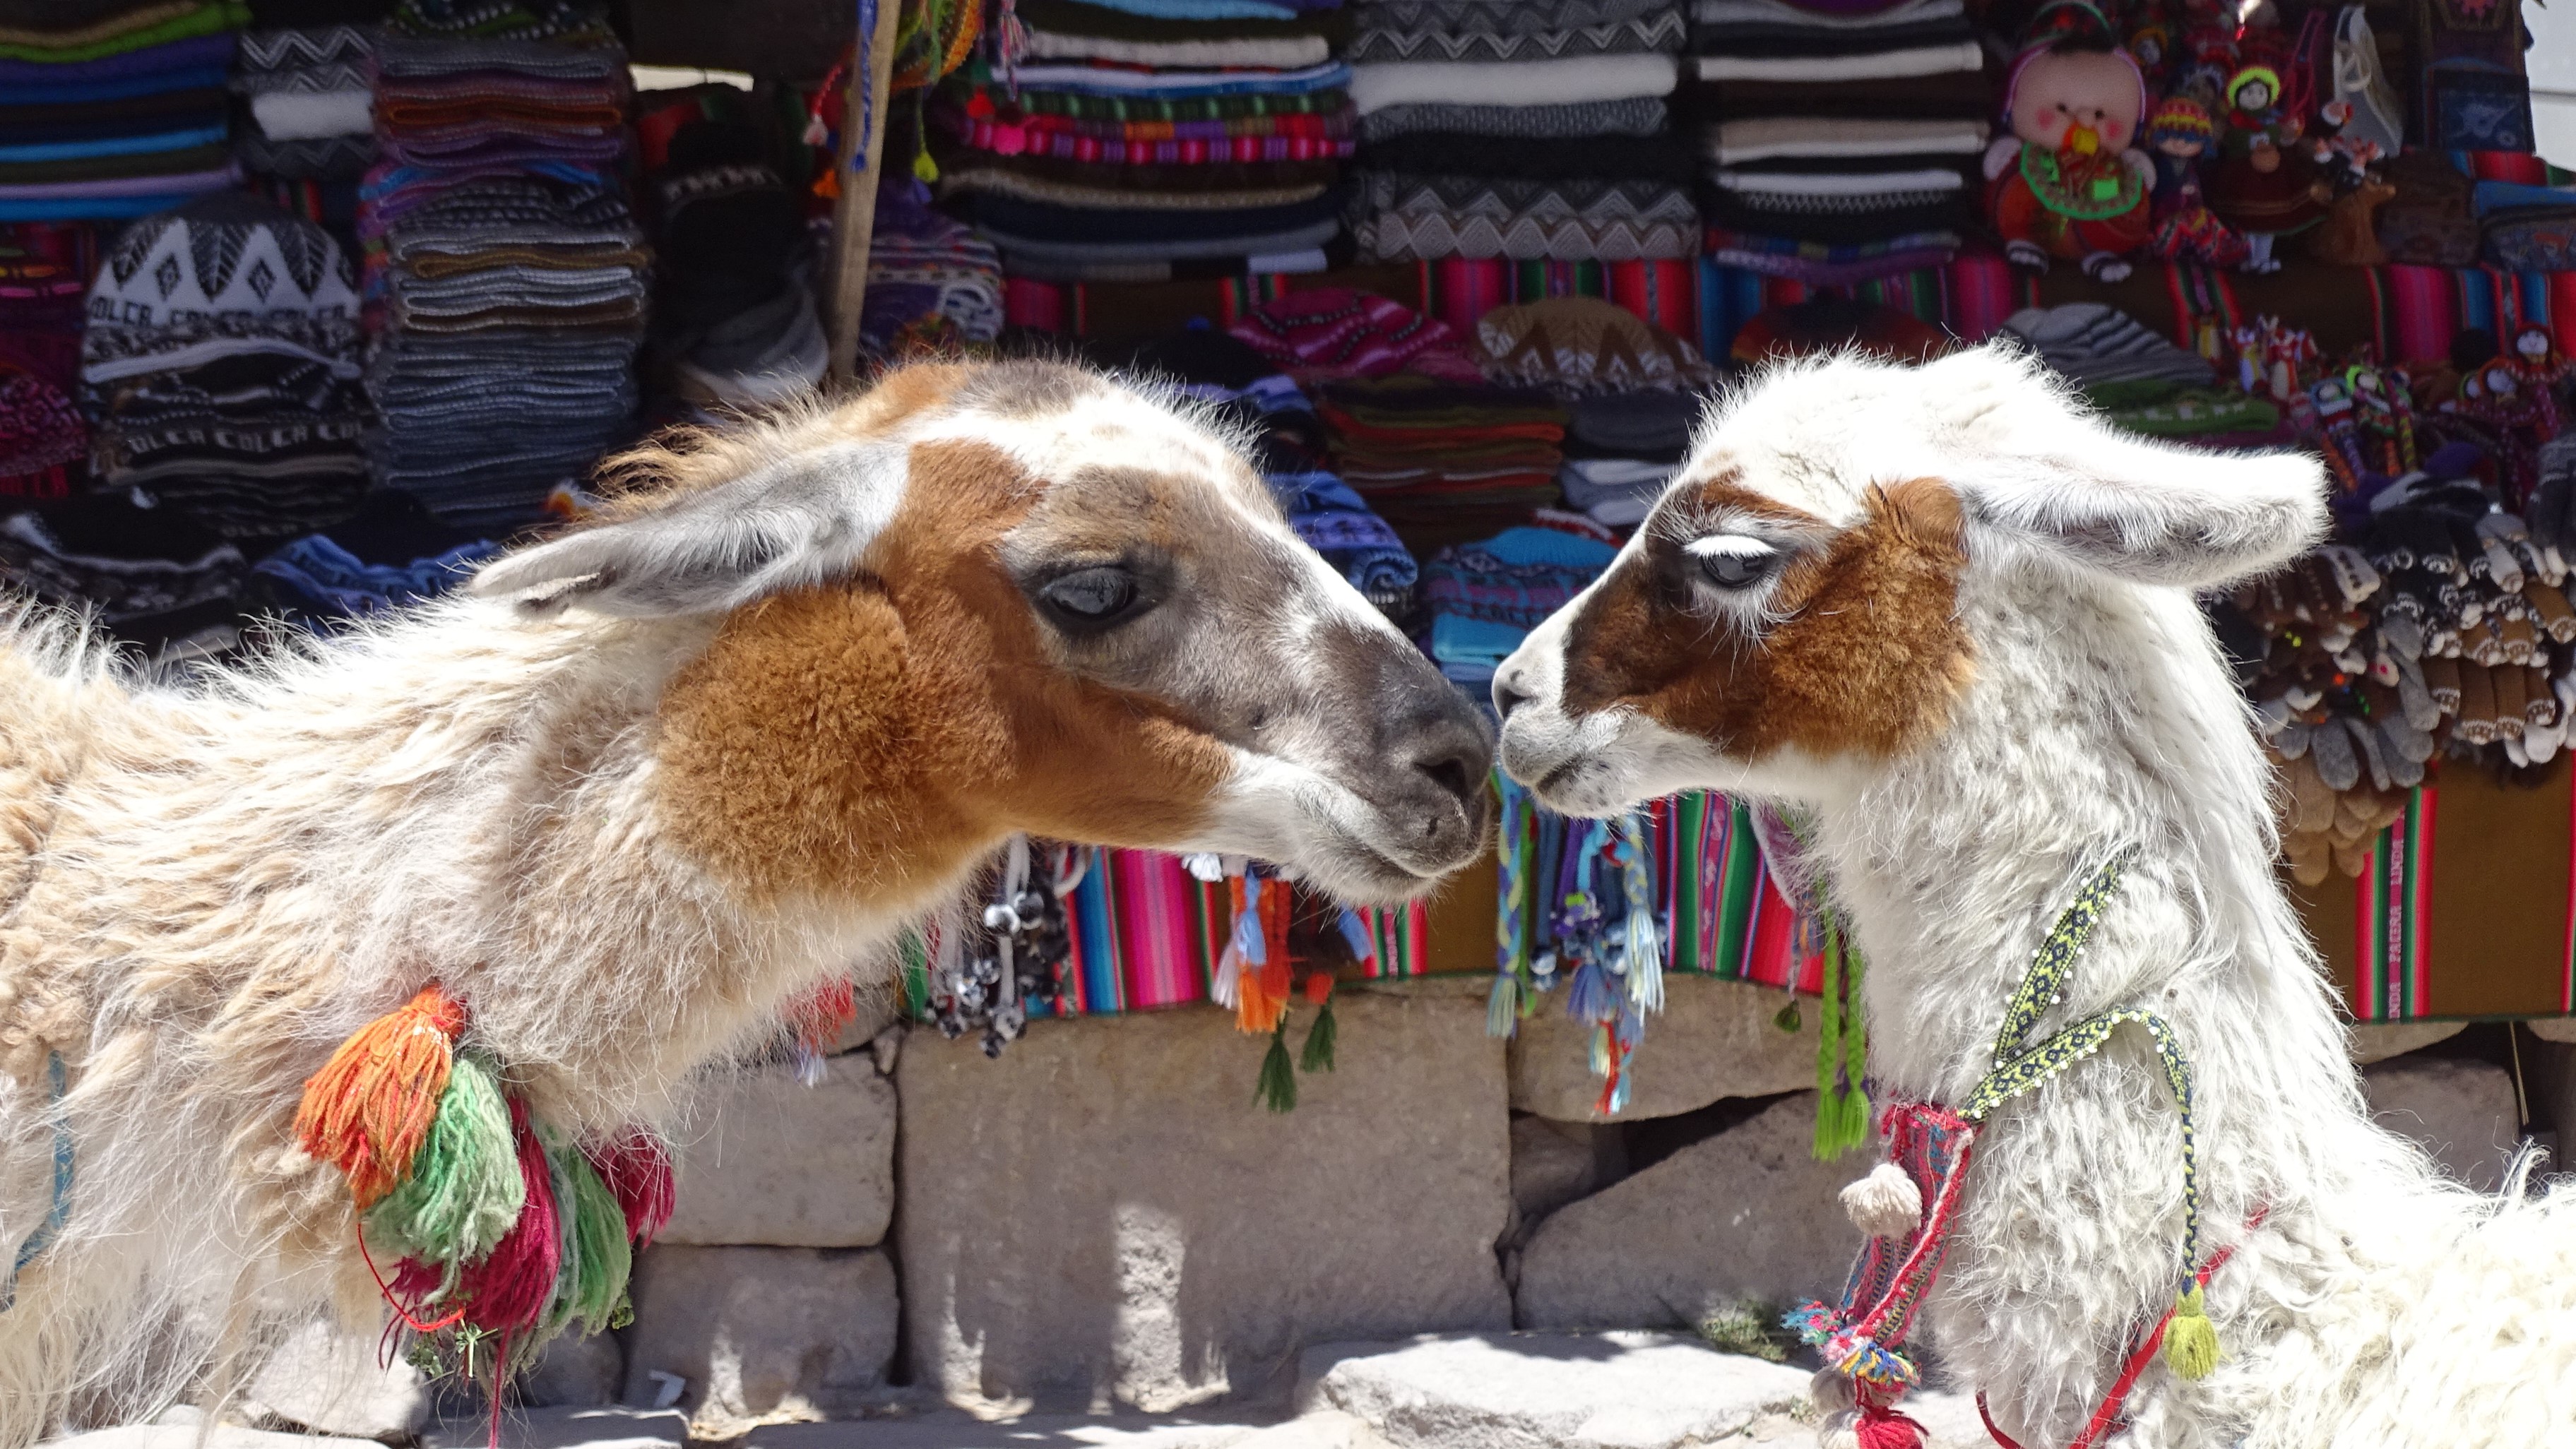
(476, 797)
(2101, 717)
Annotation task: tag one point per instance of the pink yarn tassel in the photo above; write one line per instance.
(513, 1284)
(637, 1169)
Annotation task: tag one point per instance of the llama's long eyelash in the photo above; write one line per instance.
(1730, 545)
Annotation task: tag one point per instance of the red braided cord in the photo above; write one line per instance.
(2107, 1416)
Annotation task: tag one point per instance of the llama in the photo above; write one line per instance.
(1950, 612)
(637, 788)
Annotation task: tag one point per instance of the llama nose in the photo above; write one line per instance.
(1508, 694)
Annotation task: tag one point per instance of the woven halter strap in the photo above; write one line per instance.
(1864, 1337)
(2020, 1067)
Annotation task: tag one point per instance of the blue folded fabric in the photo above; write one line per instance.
(152, 60)
(329, 580)
(115, 145)
(2493, 196)
(1201, 9)
(91, 208)
(47, 93)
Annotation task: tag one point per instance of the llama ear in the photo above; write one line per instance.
(2032, 462)
(786, 524)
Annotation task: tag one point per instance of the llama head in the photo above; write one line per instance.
(1788, 619)
(1013, 597)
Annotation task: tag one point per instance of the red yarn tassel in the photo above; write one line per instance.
(370, 1106)
(818, 1016)
(1883, 1428)
(513, 1284)
(637, 1169)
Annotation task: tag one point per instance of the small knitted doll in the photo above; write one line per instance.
(2179, 135)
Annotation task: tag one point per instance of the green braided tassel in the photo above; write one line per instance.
(1277, 1089)
(464, 1190)
(597, 1257)
(1320, 1039)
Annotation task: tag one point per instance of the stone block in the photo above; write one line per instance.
(191, 1436)
(575, 1372)
(1104, 1216)
(2462, 1112)
(761, 1331)
(326, 1379)
(1748, 1212)
(1547, 1390)
(1714, 1039)
(561, 1428)
(2377, 1041)
(769, 1161)
(1553, 1163)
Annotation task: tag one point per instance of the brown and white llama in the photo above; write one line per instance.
(645, 783)
(1950, 612)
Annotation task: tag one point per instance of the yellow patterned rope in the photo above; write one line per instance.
(2020, 1068)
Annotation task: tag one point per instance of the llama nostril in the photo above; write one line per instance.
(1453, 774)
(1507, 696)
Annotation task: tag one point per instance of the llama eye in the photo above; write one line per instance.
(1092, 598)
(1732, 561)
(1735, 570)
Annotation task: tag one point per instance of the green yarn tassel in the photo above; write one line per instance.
(597, 1257)
(1842, 1047)
(464, 1191)
(2191, 1340)
(1503, 1005)
(1278, 1087)
(1320, 1038)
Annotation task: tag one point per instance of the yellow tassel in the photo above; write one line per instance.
(2191, 1341)
(370, 1107)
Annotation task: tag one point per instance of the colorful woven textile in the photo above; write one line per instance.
(120, 117)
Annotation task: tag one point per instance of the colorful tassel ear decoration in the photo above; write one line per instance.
(637, 1171)
(2191, 1340)
(370, 1107)
(1277, 1089)
(513, 1285)
(464, 1190)
(597, 1258)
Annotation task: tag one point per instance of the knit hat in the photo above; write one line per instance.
(1337, 332)
(2180, 118)
(2262, 75)
(2068, 25)
(226, 273)
(1584, 344)
(43, 442)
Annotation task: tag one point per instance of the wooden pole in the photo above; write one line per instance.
(854, 213)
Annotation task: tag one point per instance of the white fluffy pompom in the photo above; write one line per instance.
(1885, 1204)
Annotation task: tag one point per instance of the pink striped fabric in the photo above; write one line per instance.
(1157, 929)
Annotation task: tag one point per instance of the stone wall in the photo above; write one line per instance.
(1103, 1218)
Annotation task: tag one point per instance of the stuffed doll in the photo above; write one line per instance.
(2179, 133)
(2154, 44)
(2524, 416)
(2266, 185)
(2544, 368)
(2066, 182)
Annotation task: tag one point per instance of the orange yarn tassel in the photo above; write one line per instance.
(368, 1109)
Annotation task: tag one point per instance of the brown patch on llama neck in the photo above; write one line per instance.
(1866, 657)
(874, 737)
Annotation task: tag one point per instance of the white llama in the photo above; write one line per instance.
(1951, 612)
